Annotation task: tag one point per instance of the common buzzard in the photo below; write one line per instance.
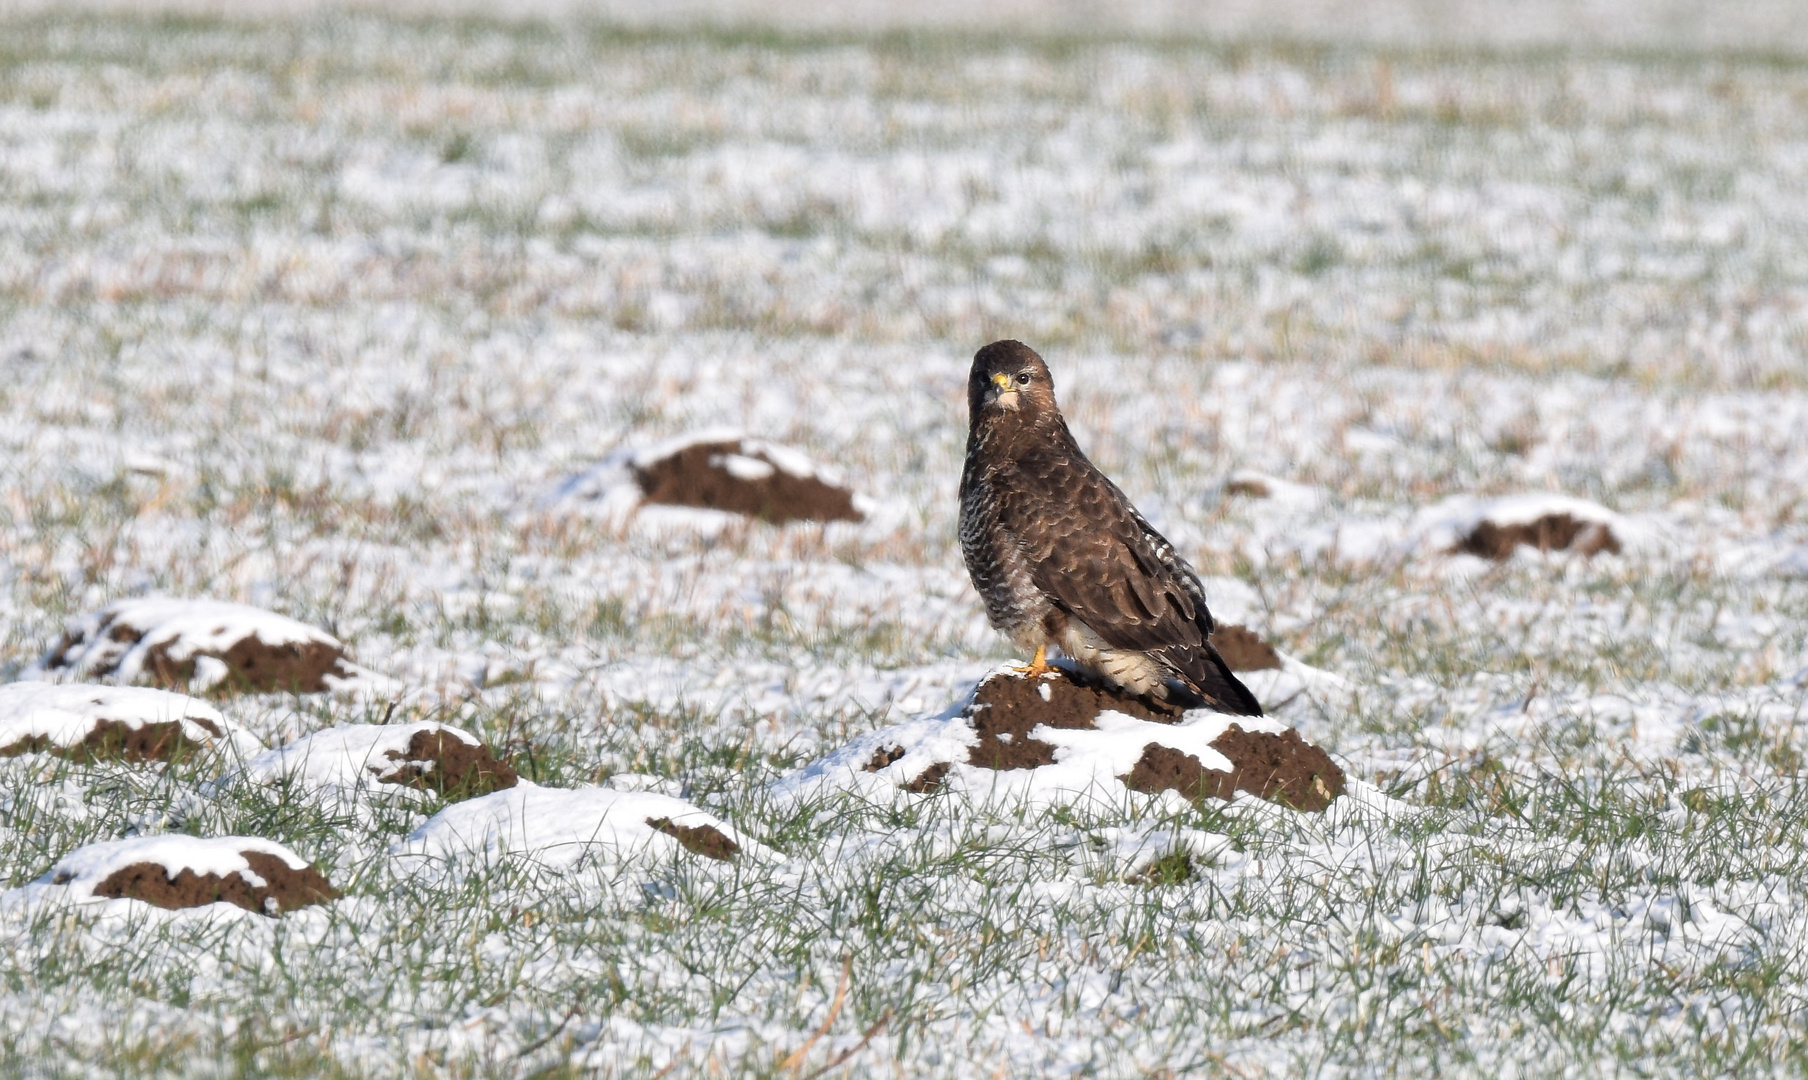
(1064, 561)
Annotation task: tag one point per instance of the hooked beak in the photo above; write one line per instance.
(1001, 385)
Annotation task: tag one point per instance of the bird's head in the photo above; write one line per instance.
(1009, 380)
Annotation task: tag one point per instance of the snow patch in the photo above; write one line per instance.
(557, 827)
(742, 467)
(1249, 483)
(1448, 524)
(345, 759)
(1444, 531)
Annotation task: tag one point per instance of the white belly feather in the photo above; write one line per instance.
(1134, 671)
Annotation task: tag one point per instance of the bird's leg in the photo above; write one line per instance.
(1039, 666)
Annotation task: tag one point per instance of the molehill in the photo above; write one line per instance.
(283, 889)
(117, 740)
(1551, 532)
(440, 761)
(198, 645)
(742, 476)
(1008, 706)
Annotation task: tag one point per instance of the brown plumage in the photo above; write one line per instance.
(1064, 561)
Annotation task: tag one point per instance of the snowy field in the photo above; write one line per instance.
(325, 317)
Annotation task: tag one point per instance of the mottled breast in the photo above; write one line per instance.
(995, 560)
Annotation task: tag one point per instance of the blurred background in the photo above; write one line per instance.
(1762, 25)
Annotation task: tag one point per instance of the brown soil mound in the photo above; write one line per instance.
(1243, 650)
(284, 889)
(696, 476)
(253, 665)
(258, 667)
(1007, 707)
(705, 840)
(443, 762)
(115, 740)
(1552, 532)
(1280, 768)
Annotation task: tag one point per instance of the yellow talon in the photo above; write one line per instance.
(1039, 666)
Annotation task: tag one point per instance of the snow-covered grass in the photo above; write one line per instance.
(324, 315)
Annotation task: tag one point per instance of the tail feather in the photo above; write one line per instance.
(1204, 672)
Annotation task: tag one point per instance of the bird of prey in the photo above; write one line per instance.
(1062, 559)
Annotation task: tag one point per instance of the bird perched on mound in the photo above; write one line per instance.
(1064, 561)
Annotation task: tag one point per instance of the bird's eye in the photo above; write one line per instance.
(1023, 378)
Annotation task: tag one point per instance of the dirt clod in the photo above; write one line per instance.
(284, 888)
(923, 783)
(115, 740)
(1552, 532)
(705, 840)
(442, 762)
(1280, 768)
(1006, 708)
(883, 757)
(1243, 650)
(700, 475)
(929, 779)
